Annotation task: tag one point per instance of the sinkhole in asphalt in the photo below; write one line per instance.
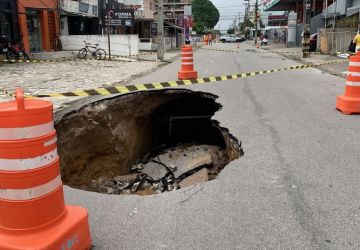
(144, 142)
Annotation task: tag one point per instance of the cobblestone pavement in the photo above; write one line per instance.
(41, 78)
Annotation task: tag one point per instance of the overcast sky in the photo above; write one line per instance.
(228, 10)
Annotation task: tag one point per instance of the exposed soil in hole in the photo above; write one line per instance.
(144, 143)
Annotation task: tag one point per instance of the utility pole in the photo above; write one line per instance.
(160, 30)
(306, 31)
(107, 7)
(358, 31)
(239, 23)
(256, 21)
(334, 17)
(326, 13)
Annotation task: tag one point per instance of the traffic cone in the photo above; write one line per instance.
(349, 103)
(32, 210)
(187, 71)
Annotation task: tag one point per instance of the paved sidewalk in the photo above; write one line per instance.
(41, 78)
(295, 53)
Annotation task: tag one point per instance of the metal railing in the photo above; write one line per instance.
(334, 42)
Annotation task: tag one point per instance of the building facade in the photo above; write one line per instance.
(277, 19)
(144, 17)
(121, 16)
(79, 17)
(38, 23)
(9, 22)
(176, 20)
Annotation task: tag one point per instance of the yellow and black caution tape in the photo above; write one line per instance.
(226, 50)
(53, 61)
(179, 83)
(255, 51)
(134, 56)
(74, 59)
(6, 93)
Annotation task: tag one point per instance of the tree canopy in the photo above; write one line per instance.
(206, 15)
(231, 31)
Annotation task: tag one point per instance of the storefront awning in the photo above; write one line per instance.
(67, 13)
(280, 5)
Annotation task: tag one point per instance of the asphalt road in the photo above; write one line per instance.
(296, 187)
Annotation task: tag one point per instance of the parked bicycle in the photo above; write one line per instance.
(57, 43)
(95, 51)
(13, 50)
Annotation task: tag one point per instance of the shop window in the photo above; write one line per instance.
(5, 25)
(34, 29)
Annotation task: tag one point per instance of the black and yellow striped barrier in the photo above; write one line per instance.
(6, 93)
(255, 51)
(74, 59)
(169, 84)
(50, 61)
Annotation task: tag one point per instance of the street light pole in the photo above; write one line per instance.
(160, 31)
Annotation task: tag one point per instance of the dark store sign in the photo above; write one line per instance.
(153, 29)
(120, 17)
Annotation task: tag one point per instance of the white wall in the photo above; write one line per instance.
(73, 6)
(64, 26)
(146, 46)
(122, 45)
(169, 43)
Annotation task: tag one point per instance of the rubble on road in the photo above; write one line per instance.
(200, 176)
(173, 168)
(186, 159)
(143, 142)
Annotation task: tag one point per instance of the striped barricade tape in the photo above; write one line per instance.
(52, 61)
(72, 59)
(255, 51)
(6, 93)
(161, 85)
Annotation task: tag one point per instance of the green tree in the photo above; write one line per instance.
(246, 24)
(206, 15)
(231, 31)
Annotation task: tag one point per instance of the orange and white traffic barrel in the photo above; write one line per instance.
(187, 71)
(349, 103)
(33, 214)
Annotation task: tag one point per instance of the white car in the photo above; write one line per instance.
(230, 39)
